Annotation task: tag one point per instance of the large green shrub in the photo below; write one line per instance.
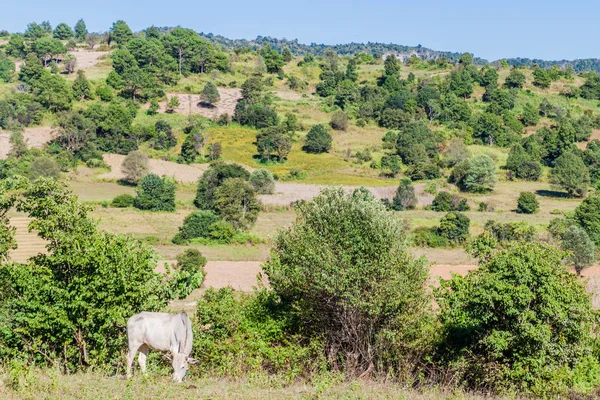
(445, 202)
(196, 225)
(262, 181)
(522, 323)
(318, 140)
(582, 249)
(190, 273)
(570, 174)
(122, 201)
(405, 198)
(510, 231)
(212, 179)
(454, 226)
(527, 203)
(476, 174)
(236, 203)
(155, 194)
(587, 215)
(345, 271)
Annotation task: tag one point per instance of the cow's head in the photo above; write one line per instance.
(180, 365)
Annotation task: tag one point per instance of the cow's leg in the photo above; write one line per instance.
(142, 357)
(130, 357)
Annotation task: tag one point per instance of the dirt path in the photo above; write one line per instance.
(35, 137)
(180, 172)
(190, 103)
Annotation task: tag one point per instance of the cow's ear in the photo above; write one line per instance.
(192, 360)
(169, 356)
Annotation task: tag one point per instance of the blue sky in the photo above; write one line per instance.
(492, 30)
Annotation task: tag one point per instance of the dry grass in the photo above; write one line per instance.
(49, 385)
(34, 137)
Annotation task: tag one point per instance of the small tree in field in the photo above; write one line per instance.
(582, 248)
(210, 94)
(155, 194)
(318, 140)
(345, 272)
(476, 174)
(339, 120)
(527, 203)
(570, 174)
(172, 104)
(405, 198)
(455, 227)
(81, 87)
(236, 203)
(262, 181)
(135, 166)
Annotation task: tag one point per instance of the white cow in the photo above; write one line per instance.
(163, 332)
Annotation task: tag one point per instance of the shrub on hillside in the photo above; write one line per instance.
(236, 203)
(262, 181)
(339, 120)
(429, 237)
(44, 167)
(510, 231)
(405, 198)
(212, 178)
(582, 249)
(422, 171)
(527, 203)
(155, 194)
(454, 226)
(318, 140)
(587, 215)
(445, 202)
(521, 298)
(196, 225)
(122, 201)
(570, 174)
(324, 264)
(476, 174)
(190, 273)
(222, 231)
(135, 166)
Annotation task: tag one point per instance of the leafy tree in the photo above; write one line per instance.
(391, 164)
(122, 201)
(165, 139)
(81, 87)
(325, 264)
(530, 115)
(155, 194)
(48, 49)
(405, 198)
(541, 78)
(53, 92)
(416, 144)
(273, 60)
(120, 33)
(516, 79)
(318, 140)
(454, 226)
(521, 298)
(262, 181)
(16, 46)
(36, 31)
(190, 268)
(130, 76)
(520, 162)
(391, 66)
(461, 83)
(70, 62)
(7, 69)
(172, 104)
(475, 174)
(488, 128)
(582, 248)
(489, 77)
(214, 177)
(210, 94)
(236, 203)
(570, 174)
(152, 32)
(273, 142)
(62, 32)
(286, 54)
(214, 151)
(80, 30)
(189, 149)
(587, 215)
(352, 70)
(466, 59)
(527, 203)
(135, 166)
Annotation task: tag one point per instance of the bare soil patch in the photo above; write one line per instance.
(180, 172)
(191, 103)
(35, 137)
(87, 59)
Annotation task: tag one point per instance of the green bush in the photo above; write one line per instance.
(262, 181)
(318, 140)
(527, 203)
(520, 323)
(341, 248)
(582, 249)
(444, 202)
(214, 177)
(44, 167)
(251, 333)
(587, 215)
(155, 194)
(429, 237)
(339, 120)
(423, 171)
(476, 174)
(510, 231)
(236, 203)
(405, 198)
(189, 273)
(570, 174)
(196, 225)
(454, 226)
(222, 231)
(122, 201)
